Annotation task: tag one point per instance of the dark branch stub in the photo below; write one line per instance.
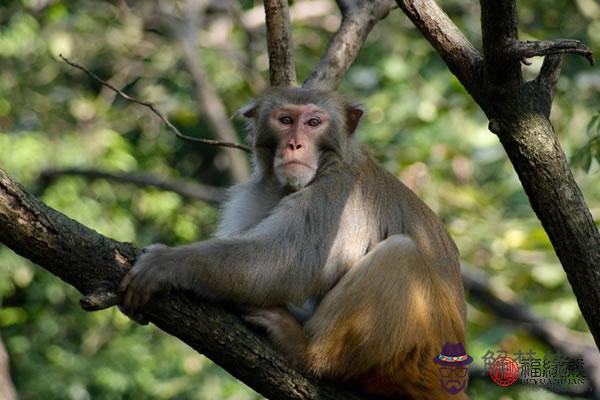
(154, 110)
(532, 48)
(100, 300)
(280, 47)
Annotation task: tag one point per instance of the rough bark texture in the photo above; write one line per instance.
(519, 114)
(279, 43)
(95, 264)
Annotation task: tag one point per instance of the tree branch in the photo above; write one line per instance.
(358, 18)
(95, 264)
(282, 69)
(499, 31)
(531, 48)
(458, 53)
(154, 110)
(518, 113)
(190, 190)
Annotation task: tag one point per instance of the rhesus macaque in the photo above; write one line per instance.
(350, 274)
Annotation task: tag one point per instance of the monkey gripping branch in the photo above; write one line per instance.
(518, 112)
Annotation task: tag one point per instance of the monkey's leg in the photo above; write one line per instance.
(384, 322)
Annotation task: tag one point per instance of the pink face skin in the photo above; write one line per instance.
(297, 128)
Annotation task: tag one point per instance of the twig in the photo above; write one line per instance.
(152, 108)
(186, 189)
(279, 43)
(100, 300)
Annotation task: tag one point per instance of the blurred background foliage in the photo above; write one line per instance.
(420, 124)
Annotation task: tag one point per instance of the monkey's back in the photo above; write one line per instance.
(398, 210)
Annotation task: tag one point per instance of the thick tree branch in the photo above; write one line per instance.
(455, 49)
(358, 18)
(518, 112)
(282, 69)
(190, 190)
(155, 111)
(499, 31)
(95, 264)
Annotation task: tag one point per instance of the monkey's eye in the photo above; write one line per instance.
(286, 120)
(314, 122)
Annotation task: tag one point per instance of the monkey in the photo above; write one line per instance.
(348, 272)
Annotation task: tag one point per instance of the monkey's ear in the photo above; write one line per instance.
(249, 110)
(353, 114)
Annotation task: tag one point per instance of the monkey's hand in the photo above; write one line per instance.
(150, 274)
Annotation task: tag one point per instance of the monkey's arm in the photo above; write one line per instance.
(276, 262)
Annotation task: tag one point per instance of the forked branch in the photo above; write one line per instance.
(358, 18)
(282, 68)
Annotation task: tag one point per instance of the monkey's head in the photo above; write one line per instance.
(294, 129)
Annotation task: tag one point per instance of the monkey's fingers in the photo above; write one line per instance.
(125, 281)
(263, 317)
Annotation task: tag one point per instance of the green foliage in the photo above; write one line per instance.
(420, 124)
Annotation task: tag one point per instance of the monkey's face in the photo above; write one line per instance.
(293, 127)
(297, 130)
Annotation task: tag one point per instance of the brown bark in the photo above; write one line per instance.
(282, 68)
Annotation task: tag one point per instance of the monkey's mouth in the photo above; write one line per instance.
(293, 163)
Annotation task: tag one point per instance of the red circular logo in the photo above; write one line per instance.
(504, 371)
